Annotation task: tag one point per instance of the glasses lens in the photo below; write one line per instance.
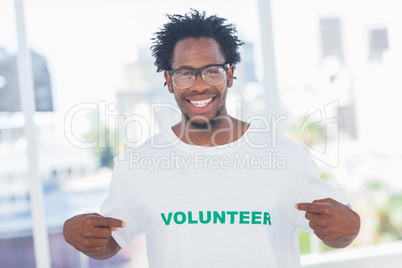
(183, 78)
(214, 75)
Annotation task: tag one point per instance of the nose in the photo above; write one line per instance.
(199, 84)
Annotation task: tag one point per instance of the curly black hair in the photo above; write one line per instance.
(194, 25)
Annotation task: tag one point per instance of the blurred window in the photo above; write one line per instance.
(378, 44)
(331, 38)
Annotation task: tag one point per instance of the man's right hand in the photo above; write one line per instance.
(92, 234)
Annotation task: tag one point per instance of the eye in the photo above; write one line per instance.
(212, 71)
(183, 73)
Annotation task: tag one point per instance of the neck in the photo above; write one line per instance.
(225, 130)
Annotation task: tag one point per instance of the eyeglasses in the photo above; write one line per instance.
(213, 74)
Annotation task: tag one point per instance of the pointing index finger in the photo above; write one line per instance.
(111, 222)
(317, 208)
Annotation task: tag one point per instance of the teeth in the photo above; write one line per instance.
(201, 103)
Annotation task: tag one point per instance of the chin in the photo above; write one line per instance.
(202, 124)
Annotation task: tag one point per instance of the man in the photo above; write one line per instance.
(223, 194)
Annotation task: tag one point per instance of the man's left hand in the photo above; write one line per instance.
(334, 223)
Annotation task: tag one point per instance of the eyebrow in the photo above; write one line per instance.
(190, 67)
(186, 67)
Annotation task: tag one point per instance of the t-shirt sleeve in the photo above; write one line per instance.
(116, 206)
(316, 188)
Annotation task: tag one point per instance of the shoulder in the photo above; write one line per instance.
(294, 154)
(265, 138)
(152, 146)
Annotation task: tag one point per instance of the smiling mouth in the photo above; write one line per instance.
(200, 103)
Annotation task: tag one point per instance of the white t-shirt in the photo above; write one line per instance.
(225, 206)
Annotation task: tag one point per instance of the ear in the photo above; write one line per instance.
(230, 73)
(168, 80)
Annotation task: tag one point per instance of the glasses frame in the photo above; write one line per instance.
(197, 72)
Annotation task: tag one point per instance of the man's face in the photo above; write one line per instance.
(201, 103)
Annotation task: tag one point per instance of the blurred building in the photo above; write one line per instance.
(9, 88)
(144, 96)
(324, 54)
